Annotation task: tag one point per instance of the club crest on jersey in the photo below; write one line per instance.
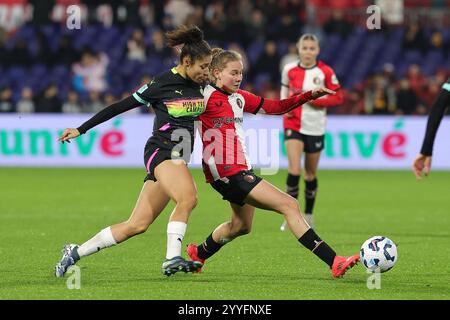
(239, 103)
(316, 80)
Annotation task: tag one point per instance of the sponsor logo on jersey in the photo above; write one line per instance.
(239, 103)
(185, 108)
(219, 122)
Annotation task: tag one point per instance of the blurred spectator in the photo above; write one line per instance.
(48, 100)
(389, 73)
(6, 100)
(430, 92)
(216, 22)
(416, 79)
(407, 100)
(290, 56)
(94, 103)
(255, 28)
(289, 28)
(159, 49)
(379, 98)
(196, 17)
(353, 103)
(437, 43)
(133, 17)
(72, 105)
(109, 99)
(391, 10)
(136, 46)
(26, 103)
(235, 25)
(338, 25)
(268, 62)
(414, 38)
(245, 9)
(90, 72)
(178, 11)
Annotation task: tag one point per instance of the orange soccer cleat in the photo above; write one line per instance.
(192, 252)
(342, 264)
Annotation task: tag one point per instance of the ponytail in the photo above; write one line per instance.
(192, 40)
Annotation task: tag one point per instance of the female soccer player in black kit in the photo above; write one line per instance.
(177, 99)
(422, 162)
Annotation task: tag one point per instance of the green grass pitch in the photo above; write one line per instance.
(41, 209)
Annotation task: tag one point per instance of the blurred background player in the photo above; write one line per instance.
(422, 162)
(227, 168)
(177, 98)
(304, 127)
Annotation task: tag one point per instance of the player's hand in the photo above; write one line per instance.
(421, 164)
(317, 93)
(68, 134)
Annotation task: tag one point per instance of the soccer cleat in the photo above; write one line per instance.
(342, 264)
(69, 258)
(192, 252)
(176, 264)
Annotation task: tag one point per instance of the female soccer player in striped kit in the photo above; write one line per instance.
(227, 168)
(304, 127)
(177, 99)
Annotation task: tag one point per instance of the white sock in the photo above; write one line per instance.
(175, 235)
(103, 239)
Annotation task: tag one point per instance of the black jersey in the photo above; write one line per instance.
(437, 112)
(177, 103)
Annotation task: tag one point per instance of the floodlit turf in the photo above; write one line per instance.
(41, 209)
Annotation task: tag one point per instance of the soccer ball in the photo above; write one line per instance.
(379, 254)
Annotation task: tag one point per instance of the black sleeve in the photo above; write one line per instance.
(109, 112)
(434, 120)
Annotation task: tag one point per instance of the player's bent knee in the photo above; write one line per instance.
(289, 205)
(188, 203)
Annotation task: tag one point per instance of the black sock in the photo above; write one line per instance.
(312, 241)
(310, 195)
(208, 248)
(292, 185)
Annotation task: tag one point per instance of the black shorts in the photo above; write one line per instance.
(235, 188)
(312, 144)
(153, 156)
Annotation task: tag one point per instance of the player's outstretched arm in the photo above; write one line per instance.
(287, 105)
(100, 117)
(421, 165)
